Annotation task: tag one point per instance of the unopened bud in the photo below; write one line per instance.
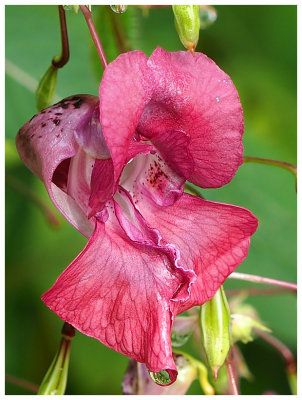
(187, 24)
(54, 382)
(119, 9)
(46, 88)
(244, 319)
(215, 326)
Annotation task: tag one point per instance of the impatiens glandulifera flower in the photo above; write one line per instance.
(115, 166)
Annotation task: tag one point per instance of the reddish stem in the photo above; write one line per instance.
(262, 279)
(94, 35)
(231, 373)
(22, 383)
(257, 292)
(281, 347)
(60, 61)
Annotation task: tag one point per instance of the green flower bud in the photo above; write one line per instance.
(119, 9)
(215, 326)
(46, 88)
(54, 382)
(187, 24)
(243, 322)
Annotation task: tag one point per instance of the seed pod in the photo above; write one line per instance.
(46, 88)
(54, 382)
(187, 24)
(215, 326)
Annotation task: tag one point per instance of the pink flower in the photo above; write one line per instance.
(116, 168)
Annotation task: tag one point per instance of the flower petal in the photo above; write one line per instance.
(46, 144)
(123, 96)
(193, 95)
(212, 238)
(119, 292)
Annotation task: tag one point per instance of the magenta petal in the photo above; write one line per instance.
(123, 96)
(193, 95)
(212, 238)
(119, 293)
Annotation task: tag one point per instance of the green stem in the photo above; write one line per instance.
(20, 187)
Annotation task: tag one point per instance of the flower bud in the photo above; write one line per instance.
(54, 382)
(215, 325)
(119, 9)
(187, 24)
(244, 319)
(182, 329)
(46, 88)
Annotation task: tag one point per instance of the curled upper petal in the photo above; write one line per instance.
(191, 94)
(123, 95)
(185, 105)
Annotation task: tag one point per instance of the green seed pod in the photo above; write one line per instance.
(187, 24)
(46, 88)
(215, 330)
(54, 382)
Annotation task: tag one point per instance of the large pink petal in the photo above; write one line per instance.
(193, 95)
(212, 238)
(46, 144)
(123, 96)
(119, 292)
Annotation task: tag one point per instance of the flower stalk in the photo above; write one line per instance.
(264, 280)
(95, 37)
(60, 61)
(287, 355)
(231, 374)
(275, 163)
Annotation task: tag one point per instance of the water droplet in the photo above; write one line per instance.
(161, 378)
(119, 9)
(217, 99)
(207, 16)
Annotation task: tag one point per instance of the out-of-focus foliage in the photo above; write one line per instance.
(256, 46)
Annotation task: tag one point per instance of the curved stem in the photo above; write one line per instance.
(231, 374)
(281, 164)
(22, 383)
(60, 61)
(285, 352)
(94, 35)
(262, 279)
(257, 292)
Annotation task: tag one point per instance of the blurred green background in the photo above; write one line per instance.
(256, 46)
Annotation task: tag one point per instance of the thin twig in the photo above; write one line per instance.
(280, 347)
(258, 292)
(262, 279)
(22, 383)
(231, 374)
(94, 35)
(20, 187)
(60, 61)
